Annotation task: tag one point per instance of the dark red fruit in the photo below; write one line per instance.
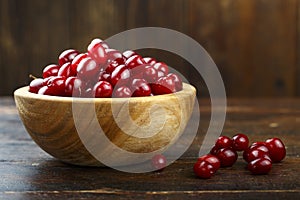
(227, 156)
(254, 154)
(140, 88)
(35, 85)
(177, 80)
(67, 56)
(65, 70)
(45, 90)
(150, 74)
(211, 159)
(102, 89)
(164, 85)
(97, 52)
(149, 60)
(50, 70)
(255, 146)
(214, 150)
(159, 162)
(240, 142)
(128, 53)
(120, 75)
(260, 166)
(162, 67)
(134, 61)
(76, 61)
(122, 92)
(57, 85)
(114, 56)
(203, 169)
(223, 142)
(74, 87)
(276, 149)
(88, 69)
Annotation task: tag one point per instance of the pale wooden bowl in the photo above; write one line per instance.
(50, 122)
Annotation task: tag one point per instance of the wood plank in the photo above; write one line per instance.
(252, 42)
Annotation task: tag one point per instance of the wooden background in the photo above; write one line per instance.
(255, 43)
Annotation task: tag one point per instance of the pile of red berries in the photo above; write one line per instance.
(259, 155)
(105, 72)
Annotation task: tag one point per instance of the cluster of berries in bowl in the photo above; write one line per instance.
(104, 72)
(258, 155)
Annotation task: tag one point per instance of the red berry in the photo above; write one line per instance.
(211, 159)
(240, 142)
(65, 70)
(114, 56)
(260, 166)
(223, 142)
(276, 149)
(76, 61)
(73, 87)
(122, 92)
(104, 76)
(261, 146)
(67, 56)
(97, 51)
(88, 69)
(177, 80)
(35, 85)
(150, 74)
(134, 61)
(120, 73)
(159, 162)
(128, 53)
(45, 90)
(140, 88)
(164, 85)
(102, 89)
(161, 66)
(214, 150)
(203, 169)
(254, 154)
(149, 60)
(50, 70)
(57, 85)
(227, 156)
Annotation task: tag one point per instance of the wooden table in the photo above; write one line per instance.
(26, 172)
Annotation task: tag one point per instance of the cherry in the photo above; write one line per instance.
(50, 70)
(255, 146)
(104, 76)
(140, 88)
(227, 156)
(203, 169)
(122, 92)
(134, 61)
(211, 159)
(161, 66)
(102, 89)
(57, 84)
(114, 56)
(150, 74)
(65, 70)
(97, 52)
(214, 150)
(88, 69)
(240, 142)
(128, 53)
(35, 85)
(120, 73)
(111, 67)
(177, 80)
(45, 90)
(164, 85)
(67, 56)
(276, 149)
(223, 142)
(76, 61)
(73, 87)
(260, 166)
(149, 60)
(254, 154)
(159, 162)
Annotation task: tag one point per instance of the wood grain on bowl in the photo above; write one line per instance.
(138, 125)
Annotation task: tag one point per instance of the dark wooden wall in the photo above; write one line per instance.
(255, 43)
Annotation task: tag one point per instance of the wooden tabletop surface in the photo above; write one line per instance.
(27, 172)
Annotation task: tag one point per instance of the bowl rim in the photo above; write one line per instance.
(187, 89)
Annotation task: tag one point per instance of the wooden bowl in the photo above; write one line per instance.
(64, 126)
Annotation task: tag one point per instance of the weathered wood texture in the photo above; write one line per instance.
(255, 43)
(29, 173)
